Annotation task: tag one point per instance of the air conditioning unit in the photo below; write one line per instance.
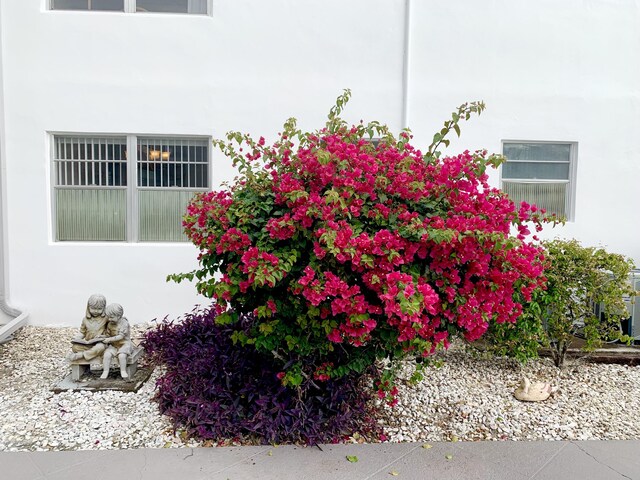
(631, 325)
(633, 306)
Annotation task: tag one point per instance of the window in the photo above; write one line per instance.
(102, 195)
(159, 6)
(113, 5)
(175, 6)
(541, 173)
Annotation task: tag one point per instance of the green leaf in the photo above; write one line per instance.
(352, 458)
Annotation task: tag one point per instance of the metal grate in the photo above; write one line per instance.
(173, 163)
(90, 161)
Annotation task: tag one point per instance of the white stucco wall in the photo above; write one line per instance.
(548, 70)
(248, 67)
(564, 71)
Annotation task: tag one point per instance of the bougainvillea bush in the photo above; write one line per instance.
(349, 245)
(215, 389)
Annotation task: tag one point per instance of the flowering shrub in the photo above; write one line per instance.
(216, 390)
(347, 250)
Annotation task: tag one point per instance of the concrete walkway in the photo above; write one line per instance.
(593, 460)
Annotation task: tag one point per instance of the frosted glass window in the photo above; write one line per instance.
(542, 174)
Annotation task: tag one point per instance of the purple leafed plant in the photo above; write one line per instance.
(216, 389)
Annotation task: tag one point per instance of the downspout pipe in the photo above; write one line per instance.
(406, 50)
(18, 317)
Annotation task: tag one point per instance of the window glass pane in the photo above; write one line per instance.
(83, 161)
(550, 196)
(90, 161)
(115, 5)
(173, 163)
(70, 5)
(533, 170)
(160, 215)
(538, 151)
(174, 6)
(91, 214)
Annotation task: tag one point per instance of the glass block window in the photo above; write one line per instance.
(541, 173)
(103, 194)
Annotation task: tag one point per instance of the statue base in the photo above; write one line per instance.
(93, 383)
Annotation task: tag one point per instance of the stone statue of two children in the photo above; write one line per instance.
(104, 331)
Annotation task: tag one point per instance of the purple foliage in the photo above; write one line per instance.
(217, 390)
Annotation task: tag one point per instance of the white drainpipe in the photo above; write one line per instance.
(405, 64)
(18, 318)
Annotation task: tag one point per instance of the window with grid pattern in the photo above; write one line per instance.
(169, 171)
(100, 196)
(541, 173)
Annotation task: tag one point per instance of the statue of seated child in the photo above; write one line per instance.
(118, 340)
(89, 343)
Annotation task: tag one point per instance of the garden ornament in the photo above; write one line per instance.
(118, 340)
(88, 344)
(533, 392)
(104, 336)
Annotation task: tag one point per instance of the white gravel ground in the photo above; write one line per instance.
(469, 398)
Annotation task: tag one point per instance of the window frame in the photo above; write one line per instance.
(132, 233)
(130, 7)
(570, 196)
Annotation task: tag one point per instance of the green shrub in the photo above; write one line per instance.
(578, 279)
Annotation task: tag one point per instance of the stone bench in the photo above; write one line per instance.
(79, 367)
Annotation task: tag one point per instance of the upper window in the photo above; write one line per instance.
(114, 5)
(172, 6)
(103, 194)
(160, 6)
(541, 173)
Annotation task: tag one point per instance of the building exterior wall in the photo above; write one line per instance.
(548, 71)
(565, 71)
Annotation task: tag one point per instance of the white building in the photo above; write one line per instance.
(107, 109)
